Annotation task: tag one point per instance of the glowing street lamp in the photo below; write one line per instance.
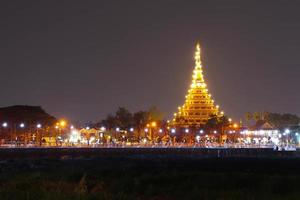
(198, 138)
(160, 130)
(71, 127)
(146, 130)
(87, 128)
(173, 130)
(235, 125)
(153, 124)
(62, 123)
(4, 124)
(131, 129)
(22, 125)
(186, 130)
(201, 131)
(102, 128)
(39, 126)
(117, 129)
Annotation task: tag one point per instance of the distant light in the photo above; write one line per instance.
(117, 129)
(153, 124)
(215, 132)
(287, 131)
(102, 128)
(22, 125)
(71, 127)
(87, 128)
(186, 130)
(62, 123)
(4, 124)
(173, 130)
(146, 129)
(160, 130)
(201, 131)
(56, 127)
(296, 134)
(39, 125)
(131, 129)
(198, 138)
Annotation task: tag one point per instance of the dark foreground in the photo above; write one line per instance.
(147, 174)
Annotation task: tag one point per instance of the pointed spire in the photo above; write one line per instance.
(199, 105)
(198, 56)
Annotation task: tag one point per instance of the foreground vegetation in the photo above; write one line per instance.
(151, 177)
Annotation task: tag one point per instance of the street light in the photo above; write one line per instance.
(4, 125)
(39, 126)
(22, 125)
(117, 129)
(62, 123)
(153, 124)
(198, 138)
(287, 131)
(160, 130)
(131, 129)
(186, 130)
(173, 130)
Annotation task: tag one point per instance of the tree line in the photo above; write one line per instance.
(278, 120)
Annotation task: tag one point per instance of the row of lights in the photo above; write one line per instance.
(21, 125)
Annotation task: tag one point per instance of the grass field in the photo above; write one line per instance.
(149, 177)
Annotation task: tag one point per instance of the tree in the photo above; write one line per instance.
(124, 118)
(282, 120)
(140, 119)
(109, 122)
(248, 117)
(155, 114)
(257, 116)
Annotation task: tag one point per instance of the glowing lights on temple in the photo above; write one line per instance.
(199, 105)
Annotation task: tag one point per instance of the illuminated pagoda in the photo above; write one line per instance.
(199, 105)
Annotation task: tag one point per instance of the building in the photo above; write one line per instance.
(199, 105)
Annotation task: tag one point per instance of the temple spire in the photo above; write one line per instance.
(199, 105)
(198, 56)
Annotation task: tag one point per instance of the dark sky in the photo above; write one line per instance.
(83, 59)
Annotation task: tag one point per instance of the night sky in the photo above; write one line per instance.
(83, 59)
